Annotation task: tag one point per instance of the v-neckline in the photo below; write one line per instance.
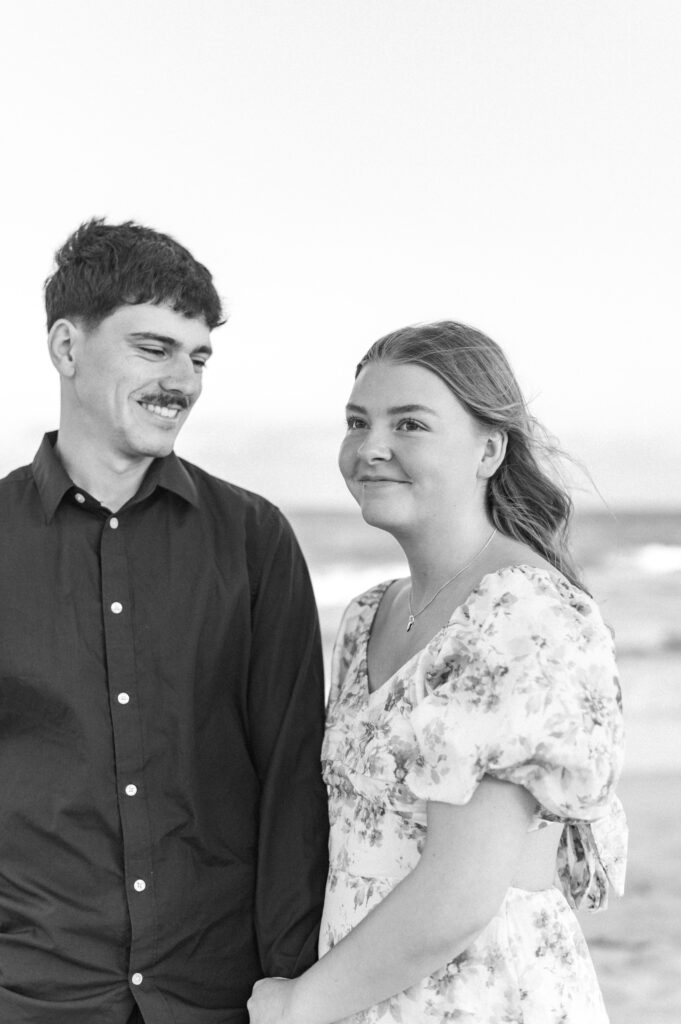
(380, 592)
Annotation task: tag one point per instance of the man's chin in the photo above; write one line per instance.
(156, 448)
(160, 450)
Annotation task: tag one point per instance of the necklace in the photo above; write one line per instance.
(414, 615)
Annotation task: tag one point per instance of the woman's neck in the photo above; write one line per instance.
(435, 558)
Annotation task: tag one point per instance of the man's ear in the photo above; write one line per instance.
(493, 455)
(60, 342)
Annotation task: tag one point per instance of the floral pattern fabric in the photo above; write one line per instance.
(520, 685)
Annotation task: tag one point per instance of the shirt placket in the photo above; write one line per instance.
(126, 715)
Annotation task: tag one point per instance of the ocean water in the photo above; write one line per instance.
(631, 563)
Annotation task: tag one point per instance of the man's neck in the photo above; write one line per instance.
(112, 481)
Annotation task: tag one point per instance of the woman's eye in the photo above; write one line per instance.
(408, 425)
(355, 423)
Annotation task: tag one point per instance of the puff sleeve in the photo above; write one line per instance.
(524, 689)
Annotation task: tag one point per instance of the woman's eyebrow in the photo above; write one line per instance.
(395, 410)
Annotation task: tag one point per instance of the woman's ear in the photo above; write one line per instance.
(60, 342)
(493, 454)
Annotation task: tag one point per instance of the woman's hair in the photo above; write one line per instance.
(523, 501)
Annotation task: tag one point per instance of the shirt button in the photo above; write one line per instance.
(139, 885)
(131, 789)
(123, 698)
(137, 978)
(117, 607)
(113, 523)
(79, 498)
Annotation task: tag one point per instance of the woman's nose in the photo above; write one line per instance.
(375, 447)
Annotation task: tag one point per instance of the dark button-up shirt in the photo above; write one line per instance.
(162, 818)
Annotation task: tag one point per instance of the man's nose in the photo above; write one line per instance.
(182, 376)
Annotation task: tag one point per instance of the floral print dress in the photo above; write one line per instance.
(521, 686)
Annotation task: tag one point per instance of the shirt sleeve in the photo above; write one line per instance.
(286, 721)
(524, 689)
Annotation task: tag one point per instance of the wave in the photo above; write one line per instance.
(336, 585)
(654, 559)
(337, 582)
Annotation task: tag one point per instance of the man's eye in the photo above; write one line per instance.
(152, 351)
(200, 364)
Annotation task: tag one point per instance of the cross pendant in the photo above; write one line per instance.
(410, 623)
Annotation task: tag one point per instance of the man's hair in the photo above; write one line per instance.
(102, 267)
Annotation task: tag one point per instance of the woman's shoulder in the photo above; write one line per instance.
(361, 610)
(534, 600)
(368, 601)
(528, 584)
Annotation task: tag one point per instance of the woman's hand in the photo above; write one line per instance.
(270, 1001)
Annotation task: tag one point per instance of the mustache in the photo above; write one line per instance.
(166, 401)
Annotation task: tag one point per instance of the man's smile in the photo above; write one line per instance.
(167, 412)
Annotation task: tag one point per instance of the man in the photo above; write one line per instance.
(162, 818)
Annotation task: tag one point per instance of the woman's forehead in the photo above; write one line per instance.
(384, 381)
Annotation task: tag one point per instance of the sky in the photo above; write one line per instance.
(345, 167)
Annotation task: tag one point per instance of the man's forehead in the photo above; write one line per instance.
(154, 313)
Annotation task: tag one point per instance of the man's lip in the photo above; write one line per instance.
(151, 407)
(180, 404)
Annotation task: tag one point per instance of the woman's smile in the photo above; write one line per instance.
(411, 450)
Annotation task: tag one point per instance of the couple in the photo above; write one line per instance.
(163, 831)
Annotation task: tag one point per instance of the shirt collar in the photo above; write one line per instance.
(53, 481)
(50, 477)
(171, 474)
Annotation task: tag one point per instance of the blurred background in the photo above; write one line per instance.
(345, 167)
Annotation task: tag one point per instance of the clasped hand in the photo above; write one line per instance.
(270, 1001)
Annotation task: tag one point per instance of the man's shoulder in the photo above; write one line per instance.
(231, 498)
(15, 479)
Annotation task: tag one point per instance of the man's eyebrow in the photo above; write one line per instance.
(395, 410)
(165, 339)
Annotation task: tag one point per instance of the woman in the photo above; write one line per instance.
(474, 731)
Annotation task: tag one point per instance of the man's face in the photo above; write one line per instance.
(136, 377)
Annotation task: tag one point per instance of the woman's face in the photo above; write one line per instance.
(412, 456)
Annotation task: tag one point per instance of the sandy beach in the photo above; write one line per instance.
(636, 942)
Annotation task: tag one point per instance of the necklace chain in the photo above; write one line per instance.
(414, 615)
